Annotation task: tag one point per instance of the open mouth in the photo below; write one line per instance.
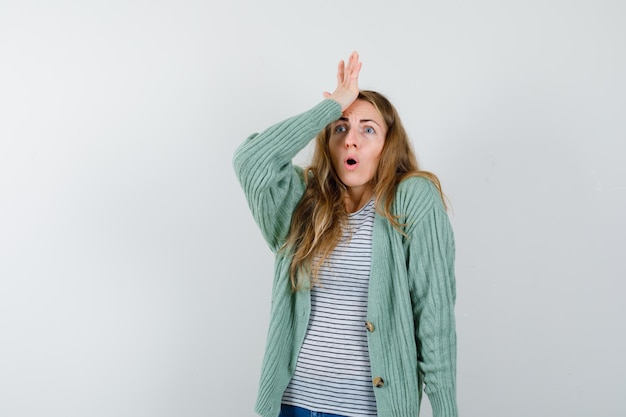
(350, 163)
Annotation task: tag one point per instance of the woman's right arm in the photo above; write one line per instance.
(272, 185)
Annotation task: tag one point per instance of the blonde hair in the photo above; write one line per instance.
(318, 220)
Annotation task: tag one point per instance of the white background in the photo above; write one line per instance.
(133, 281)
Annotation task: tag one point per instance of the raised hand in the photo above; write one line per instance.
(347, 82)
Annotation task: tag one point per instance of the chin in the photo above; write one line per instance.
(355, 184)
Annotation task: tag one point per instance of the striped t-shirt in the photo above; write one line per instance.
(333, 373)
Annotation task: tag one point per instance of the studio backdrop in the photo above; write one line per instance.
(133, 280)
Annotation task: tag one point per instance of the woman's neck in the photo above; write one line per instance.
(357, 197)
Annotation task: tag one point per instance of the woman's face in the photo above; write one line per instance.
(356, 141)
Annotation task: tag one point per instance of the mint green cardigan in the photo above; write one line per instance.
(412, 285)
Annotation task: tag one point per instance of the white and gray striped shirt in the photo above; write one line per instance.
(333, 373)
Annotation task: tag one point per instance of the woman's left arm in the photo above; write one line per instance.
(433, 292)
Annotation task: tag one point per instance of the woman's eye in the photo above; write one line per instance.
(369, 130)
(340, 129)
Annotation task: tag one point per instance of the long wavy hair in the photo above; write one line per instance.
(318, 220)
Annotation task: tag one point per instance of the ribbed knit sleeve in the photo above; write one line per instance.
(433, 294)
(272, 185)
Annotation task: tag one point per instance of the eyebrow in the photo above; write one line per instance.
(345, 119)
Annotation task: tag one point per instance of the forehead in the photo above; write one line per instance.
(363, 110)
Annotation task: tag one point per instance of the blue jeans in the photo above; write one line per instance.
(293, 411)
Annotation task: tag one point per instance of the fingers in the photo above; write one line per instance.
(346, 72)
(356, 70)
(347, 89)
(340, 72)
(354, 66)
(351, 72)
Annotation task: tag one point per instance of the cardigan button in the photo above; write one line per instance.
(378, 382)
(369, 326)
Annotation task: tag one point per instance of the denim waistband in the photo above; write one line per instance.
(294, 411)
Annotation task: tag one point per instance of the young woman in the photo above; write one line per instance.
(362, 313)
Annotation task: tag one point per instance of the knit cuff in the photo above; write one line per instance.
(443, 403)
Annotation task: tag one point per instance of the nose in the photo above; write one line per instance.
(351, 139)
